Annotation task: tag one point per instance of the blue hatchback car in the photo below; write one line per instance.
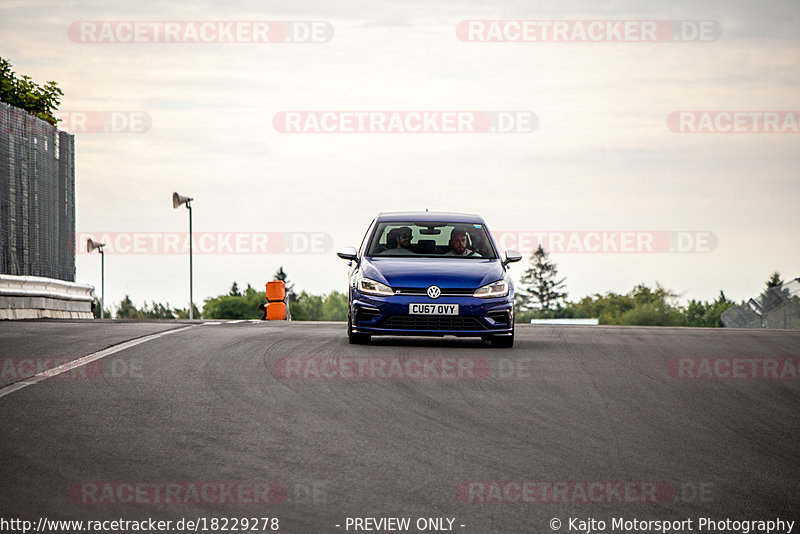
(430, 274)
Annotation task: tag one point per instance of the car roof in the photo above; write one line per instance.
(429, 216)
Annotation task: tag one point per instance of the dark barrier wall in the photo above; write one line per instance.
(37, 207)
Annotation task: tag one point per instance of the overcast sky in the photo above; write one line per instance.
(602, 157)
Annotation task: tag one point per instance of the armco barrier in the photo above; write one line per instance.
(34, 297)
(583, 321)
(777, 307)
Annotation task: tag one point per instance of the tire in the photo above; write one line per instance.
(503, 342)
(356, 339)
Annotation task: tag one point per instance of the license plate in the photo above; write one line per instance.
(433, 309)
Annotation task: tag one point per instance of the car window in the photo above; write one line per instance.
(363, 239)
(431, 240)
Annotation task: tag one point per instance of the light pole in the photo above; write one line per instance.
(177, 200)
(90, 246)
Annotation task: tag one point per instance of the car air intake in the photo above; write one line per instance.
(498, 316)
(366, 314)
(434, 322)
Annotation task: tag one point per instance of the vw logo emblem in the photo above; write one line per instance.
(434, 292)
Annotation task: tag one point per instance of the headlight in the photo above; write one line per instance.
(495, 289)
(371, 287)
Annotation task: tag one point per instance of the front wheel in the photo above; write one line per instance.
(353, 338)
(503, 342)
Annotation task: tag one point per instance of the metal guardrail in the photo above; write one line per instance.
(589, 322)
(778, 307)
(34, 297)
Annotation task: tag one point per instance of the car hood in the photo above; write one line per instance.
(447, 273)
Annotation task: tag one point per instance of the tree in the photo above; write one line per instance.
(642, 305)
(334, 307)
(307, 307)
(651, 307)
(228, 307)
(158, 311)
(706, 313)
(774, 280)
(234, 304)
(184, 312)
(539, 288)
(281, 275)
(126, 309)
(96, 309)
(40, 101)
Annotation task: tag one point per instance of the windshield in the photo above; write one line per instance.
(459, 240)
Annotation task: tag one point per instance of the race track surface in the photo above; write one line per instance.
(573, 422)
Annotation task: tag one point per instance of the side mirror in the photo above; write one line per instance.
(512, 256)
(348, 253)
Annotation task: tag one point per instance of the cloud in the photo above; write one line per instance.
(602, 155)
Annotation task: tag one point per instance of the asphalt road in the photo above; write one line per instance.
(593, 422)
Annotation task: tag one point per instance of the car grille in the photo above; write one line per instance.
(423, 292)
(434, 322)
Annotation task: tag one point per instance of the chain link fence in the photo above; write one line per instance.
(778, 307)
(37, 206)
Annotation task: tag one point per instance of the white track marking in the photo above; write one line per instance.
(79, 362)
(237, 321)
(212, 323)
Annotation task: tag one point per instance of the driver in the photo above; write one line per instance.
(458, 244)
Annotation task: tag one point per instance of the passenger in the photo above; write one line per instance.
(458, 244)
(398, 241)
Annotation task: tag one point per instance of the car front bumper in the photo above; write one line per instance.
(390, 316)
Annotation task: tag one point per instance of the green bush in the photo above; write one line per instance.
(235, 306)
(40, 101)
(642, 306)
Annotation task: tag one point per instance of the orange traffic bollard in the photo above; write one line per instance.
(276, 301)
